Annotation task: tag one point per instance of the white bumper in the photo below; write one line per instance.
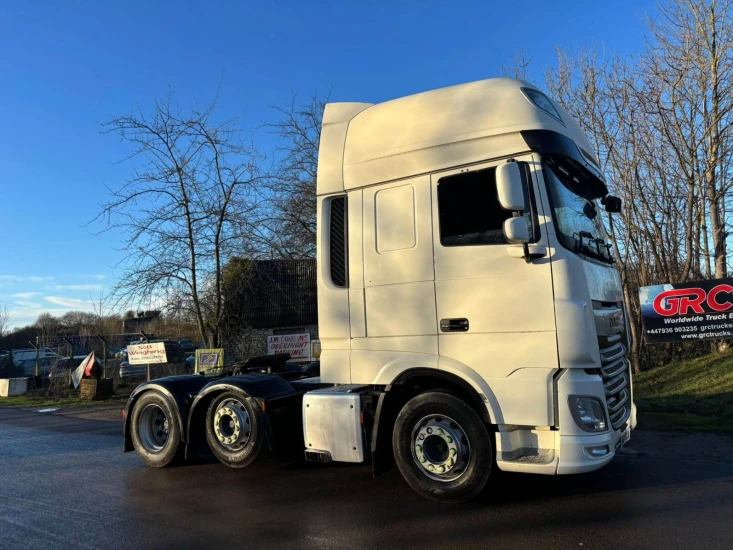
(572, 454)
(569, 450)
(576, 451)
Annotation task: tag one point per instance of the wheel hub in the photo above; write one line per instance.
(440, 447)
(232, 424)
(153, 428)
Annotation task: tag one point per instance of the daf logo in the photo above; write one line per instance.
(615, 321)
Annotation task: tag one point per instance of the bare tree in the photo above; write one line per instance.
(662, 126)
(47, 326)
(4, 321)
(689, 65)
(291, 222)
(519, 68)
(192, 199)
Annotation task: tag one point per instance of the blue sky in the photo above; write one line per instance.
(66, 66)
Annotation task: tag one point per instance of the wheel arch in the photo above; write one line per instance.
(262, 387)
(176, 390)
(405, 386)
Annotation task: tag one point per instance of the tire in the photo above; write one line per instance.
(155, 430)
(442, 447)
(234, 429)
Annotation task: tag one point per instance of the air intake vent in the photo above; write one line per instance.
(339, 242)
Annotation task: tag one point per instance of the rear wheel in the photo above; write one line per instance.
(234, 429)
(442, 447)
(154, 430)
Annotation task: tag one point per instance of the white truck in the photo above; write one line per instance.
(469, 311)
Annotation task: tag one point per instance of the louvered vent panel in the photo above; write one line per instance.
(339, 242)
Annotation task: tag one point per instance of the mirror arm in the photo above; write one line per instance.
(528, 256)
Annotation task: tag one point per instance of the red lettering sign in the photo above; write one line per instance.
(683, 301)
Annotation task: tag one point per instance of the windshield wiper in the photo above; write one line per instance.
(600, 245)
(579, 246)
(582, 248)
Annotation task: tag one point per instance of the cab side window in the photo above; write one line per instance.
(469, 210)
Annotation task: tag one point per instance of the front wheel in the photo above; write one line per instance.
(234, 429)
(442, 447)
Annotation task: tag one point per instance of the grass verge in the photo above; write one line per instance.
(694, 395)
(38, 398)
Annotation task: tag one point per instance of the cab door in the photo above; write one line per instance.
(495, 310)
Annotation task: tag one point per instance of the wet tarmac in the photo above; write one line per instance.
(64, 483)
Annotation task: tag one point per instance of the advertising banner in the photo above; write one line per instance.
(142, 354)
(207, 359)
(685, 312)
(297, 345)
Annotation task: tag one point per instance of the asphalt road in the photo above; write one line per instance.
(65, 483)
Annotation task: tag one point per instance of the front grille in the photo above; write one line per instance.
(616, 379)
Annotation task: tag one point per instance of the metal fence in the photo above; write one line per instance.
(50, 362)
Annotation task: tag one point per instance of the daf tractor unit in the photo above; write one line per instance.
(469, 310)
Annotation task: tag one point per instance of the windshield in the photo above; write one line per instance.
(573, 194)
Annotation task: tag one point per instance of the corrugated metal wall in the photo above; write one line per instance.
(274, 293)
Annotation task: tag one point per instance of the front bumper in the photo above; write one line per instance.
(558, 454)
(580, 453)
(569, 450)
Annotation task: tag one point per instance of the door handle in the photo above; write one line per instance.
(454, 325)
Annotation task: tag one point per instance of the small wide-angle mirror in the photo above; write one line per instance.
(516, 231)
(612, 204)
(509, 186)
(590, 210)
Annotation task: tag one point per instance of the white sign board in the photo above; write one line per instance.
(142, 354)
(297, 345)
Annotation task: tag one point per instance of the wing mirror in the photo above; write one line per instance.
(510, 187)
(612, 204)
(515, 230)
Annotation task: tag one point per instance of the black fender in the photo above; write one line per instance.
(264, 388)
(407, 385)
(179, 391)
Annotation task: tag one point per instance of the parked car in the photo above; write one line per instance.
(190, 363)
(65, 364)
(173, 350)
(26, 359)
(136, 371)
(187, 345)
(112, 351)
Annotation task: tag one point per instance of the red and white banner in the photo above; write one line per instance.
(79, 371)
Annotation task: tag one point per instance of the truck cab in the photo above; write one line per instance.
(425, 269)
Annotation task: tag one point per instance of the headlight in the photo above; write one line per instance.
(588, 413)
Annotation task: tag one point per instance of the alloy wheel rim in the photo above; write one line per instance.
(232, 424)
(440, 447)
